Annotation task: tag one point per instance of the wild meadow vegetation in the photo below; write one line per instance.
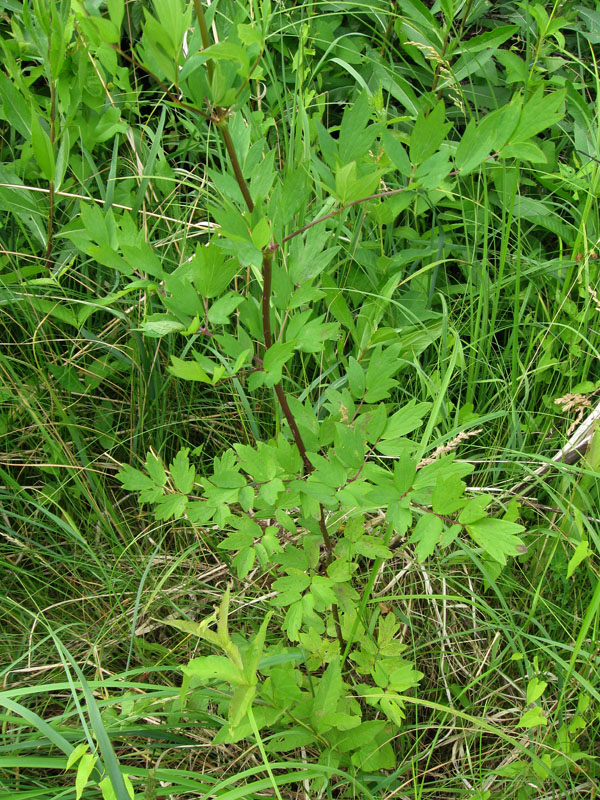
(300, 313)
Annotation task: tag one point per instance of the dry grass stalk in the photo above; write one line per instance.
(449, 447)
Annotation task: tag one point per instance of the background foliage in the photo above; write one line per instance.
(198, 598)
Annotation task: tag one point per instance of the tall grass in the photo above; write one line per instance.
(504, 267)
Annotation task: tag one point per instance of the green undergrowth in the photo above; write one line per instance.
(299, 302)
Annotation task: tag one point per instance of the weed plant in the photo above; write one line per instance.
(299, 302)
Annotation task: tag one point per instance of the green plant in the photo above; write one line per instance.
(314, 507)
(400, 224)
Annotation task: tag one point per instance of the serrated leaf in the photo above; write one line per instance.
(426, 535)
(406, 420)
(182, 473)
(539, 112)
(447, 495)
(133, 480)
(327, 695)
(497, 537)
(155, 468)
(475, 509)
(171, 506)
(211, 271)
(371, 547)
(428, 133)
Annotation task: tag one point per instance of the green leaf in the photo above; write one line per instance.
(406, 420)
(327, 696)
(497, 537)
(397, 153)
(474, 147)
(261, 234)
(582, 552)
(540, 112)
(428, 133)
(116, 10)
(426, 534)
(349, 187)
(208, 668)
(447, 495)
(525, 151)
(290, 587)
(356, 137)
(372, 547)
(293, 620)
(171, 506)
(188, 370)
(133, 480)
(535, 689)
(349, 446)
(356, 378)
(308, 256)
(182, 473)
(404, 677)
(143, 259)
(275, 358)
(228, 51)
(76, 754)
(475, 508)
(161, 325)
(221, 310)
(433, 170)
(84, 770)
(42, 148)
(211, 271)
(489, 39)
(532, 718)
(155, 468)
(16, 110)
(239, 705)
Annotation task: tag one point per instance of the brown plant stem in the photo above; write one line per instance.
(219, 117)
(389, 29)
(237, 170)
(336, 211)
(268, 341)
(204, 34)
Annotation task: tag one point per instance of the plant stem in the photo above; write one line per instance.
(237, 170)
(204, 34)
(389, 29)
(268, 341)
(220, 119)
